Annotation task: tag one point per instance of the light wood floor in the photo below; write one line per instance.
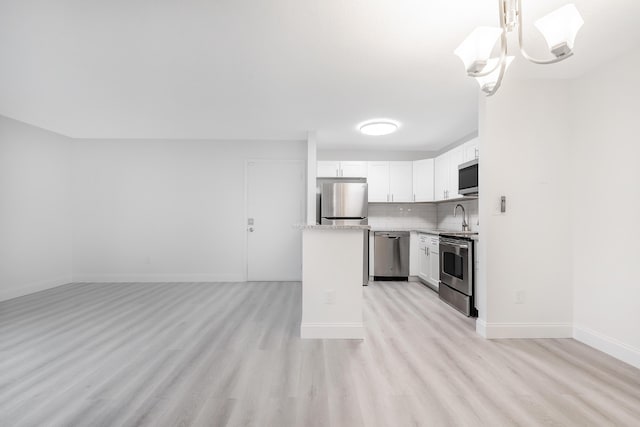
(229, 354)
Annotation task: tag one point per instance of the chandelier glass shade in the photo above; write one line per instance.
(559, 29)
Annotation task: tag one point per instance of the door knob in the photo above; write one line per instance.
(251, 229)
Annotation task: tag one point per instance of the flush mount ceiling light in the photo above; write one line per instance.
(378, 127)
(559, 29)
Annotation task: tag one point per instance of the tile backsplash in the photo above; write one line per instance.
(403, 215)
(447, 221)
(416, 215)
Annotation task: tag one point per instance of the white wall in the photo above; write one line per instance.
(606, 206)
(163, 210)
(525, 156)
(35, 231)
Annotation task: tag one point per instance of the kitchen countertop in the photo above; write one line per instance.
(331, 227)
(472, 235)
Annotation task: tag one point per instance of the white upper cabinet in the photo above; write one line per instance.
(378, 180)
(328, 169)
(456, 157)
(446, 172)
(441, 176)
(353, 169)
(401, 181)
(471, 150)
(423, 180)
(407, 181)
(390, 181)
(333, 169)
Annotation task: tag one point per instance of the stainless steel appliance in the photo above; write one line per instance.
(468, 178)
(391, 255)
(456, 274)
(344, 203)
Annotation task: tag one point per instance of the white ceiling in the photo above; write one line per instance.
(267, 69)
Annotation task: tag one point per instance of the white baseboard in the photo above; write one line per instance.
(34, 287)
(332, 330)
(157, 278)
(606, 344)
(481, 328)
(524, 330)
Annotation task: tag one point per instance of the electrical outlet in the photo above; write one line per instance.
(330, 296)
(520, 296)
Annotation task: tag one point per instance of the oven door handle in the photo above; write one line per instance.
(453, 248)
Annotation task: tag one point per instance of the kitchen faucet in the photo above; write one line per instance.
(465, 226)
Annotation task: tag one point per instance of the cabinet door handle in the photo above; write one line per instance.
(427, 251)
(337, 172)
(392, 197)
(414, 197)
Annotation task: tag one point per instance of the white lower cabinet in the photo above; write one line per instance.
(433, 252)
(424, 267)
(428, 250)
(414, 255)
(371, 252)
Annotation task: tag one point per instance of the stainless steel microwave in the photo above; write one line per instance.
(468, 178)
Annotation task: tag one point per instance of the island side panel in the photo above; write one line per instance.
(332, 294)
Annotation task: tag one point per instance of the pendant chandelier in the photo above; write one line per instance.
(559, 29)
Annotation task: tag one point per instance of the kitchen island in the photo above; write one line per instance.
(332, 276)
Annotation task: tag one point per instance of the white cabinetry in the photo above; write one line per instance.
(471, 150)
(429, 259)
(446, 173)
(401, 181)
(456, 157)
(390, 181)
(423, 180)
(353, 169)
(346, 169)
(424, 266)
(378, 180)
(414, 255)
(406, 181)
(372, 252)
(441, 176)
(328, 169)
(433, 252)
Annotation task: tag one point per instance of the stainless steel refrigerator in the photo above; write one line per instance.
(344, 203)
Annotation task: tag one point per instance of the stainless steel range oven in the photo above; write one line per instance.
(456, 274)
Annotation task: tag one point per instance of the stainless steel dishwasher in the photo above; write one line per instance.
(391, 255)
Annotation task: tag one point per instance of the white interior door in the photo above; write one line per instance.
(275, 202)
